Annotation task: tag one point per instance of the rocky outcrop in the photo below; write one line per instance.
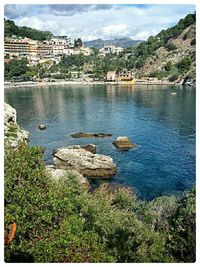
(123, 143)
(89, 135)
(57, 174)
(13, 135)
(86, 163)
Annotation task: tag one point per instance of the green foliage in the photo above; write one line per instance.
(16, 68)
(184, 64)
(193, 42)
(11, 29)
(62, 222)
(170, 47)
(174, 77)
(78, 43)
(182, 241)
(169, 66)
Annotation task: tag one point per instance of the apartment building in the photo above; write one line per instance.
(110, 49)
(16, 47)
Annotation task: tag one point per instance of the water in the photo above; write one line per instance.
(161, 123)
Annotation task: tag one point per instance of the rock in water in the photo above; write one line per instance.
(123, 143)
(42, 127)
(86, 163)
(89, 135)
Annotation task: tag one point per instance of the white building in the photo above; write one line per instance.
(110, 49)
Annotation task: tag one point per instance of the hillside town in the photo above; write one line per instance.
(54, 49)
(32, 56)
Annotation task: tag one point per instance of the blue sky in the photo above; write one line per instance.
(106, 21)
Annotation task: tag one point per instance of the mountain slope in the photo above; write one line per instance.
(122, 42)
(170, 54)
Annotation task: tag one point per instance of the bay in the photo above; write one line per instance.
(160, 119)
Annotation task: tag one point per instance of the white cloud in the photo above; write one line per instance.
(116, 21)
(116, 29)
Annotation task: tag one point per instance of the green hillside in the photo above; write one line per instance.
(10, 28)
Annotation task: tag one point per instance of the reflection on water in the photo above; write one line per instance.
(161, 123)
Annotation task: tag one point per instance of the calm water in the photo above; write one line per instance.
(163, 125)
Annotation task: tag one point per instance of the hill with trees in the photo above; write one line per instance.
(170, 55)
(10, 28)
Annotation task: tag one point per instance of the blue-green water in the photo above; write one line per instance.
(161, 123)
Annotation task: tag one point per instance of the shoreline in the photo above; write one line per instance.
(37, 84)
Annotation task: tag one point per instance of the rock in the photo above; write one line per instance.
(88, 164)
(57, 174)
(89, 135)
(13, 135)
(42, 127)
(123, 143)
(91, 148)
(10, 115)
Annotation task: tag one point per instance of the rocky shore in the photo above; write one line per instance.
(13, 135)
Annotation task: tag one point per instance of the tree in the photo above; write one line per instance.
(78, 43)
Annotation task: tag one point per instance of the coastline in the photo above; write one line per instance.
(44, 83)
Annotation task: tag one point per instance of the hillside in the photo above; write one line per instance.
(122, 42)
(170, 54)
(10, 28)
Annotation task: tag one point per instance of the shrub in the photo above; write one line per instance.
(193, 42)
(184, 64)
(170, 47)
(182, 241)
(174, 77)
(61, 222)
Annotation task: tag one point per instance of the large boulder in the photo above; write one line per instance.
(57, 174)
(123, 143)
(83, 161)
(13, 135)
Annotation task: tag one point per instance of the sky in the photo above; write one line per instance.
(105, 21)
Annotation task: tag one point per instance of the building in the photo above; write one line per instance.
(110, 49)
(111, 76)
(17, 47)
(86, 51)
(122, 76)
(125, 76)
(44, 49)
(33, 47)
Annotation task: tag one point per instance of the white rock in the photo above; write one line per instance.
(88, 164)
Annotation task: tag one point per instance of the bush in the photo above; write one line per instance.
(62, 222)
(174, 77)
(170, 47)
(182, 241)
(193, 42)
(184, 64)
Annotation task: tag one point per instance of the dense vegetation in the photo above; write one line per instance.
(62, 222)
(10, 28)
